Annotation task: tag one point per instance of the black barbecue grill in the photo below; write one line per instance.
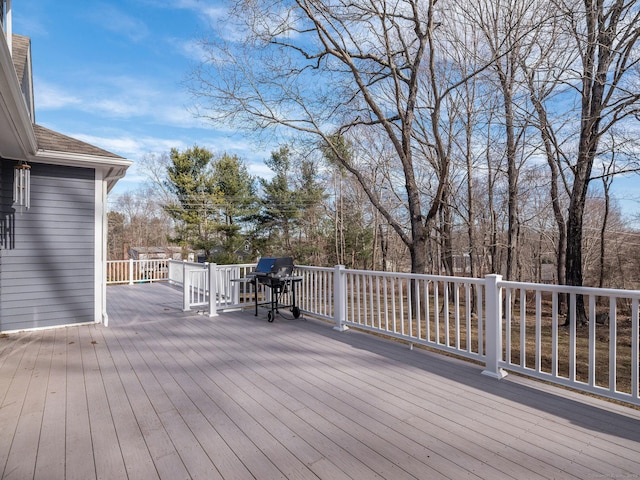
(276, 274)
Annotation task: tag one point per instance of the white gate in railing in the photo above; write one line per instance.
(505, 325)
(212, 287)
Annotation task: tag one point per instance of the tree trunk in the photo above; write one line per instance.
(384, 248)
(446, 239)
(471, 220)
(512, 179)
(493, 227)
(597, 57)
(418, 249)
(606, 184)
(575, 219)
(551, 150)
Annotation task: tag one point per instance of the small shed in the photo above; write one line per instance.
(154, 253)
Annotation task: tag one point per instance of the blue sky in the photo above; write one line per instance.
(112, 73)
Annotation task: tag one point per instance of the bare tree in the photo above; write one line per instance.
(507, 27)
(606, 34)
(393, 79)
(549, 53)
(617, 157)
(137, 219)
(323, 68)
(154, 168)
(607, 179)
(593, 63)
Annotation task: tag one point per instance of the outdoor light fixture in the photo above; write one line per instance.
(22, 185)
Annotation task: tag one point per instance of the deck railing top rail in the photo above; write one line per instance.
(601, 292)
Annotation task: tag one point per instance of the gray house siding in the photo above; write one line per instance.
(47, 273)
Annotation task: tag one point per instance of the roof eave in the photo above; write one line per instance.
(14, 108)
(113, 168)
(77, 159)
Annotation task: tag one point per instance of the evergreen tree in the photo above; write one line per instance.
(197, 204)
(238, 203)
(312, 236)
(279, 202)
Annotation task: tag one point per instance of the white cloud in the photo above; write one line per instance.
(114, 107)
(203, 9)
(119, 98)
(51, 97)
(129, 146)
(211, 13)
(136, 147)
(192, 50)
(115, 20)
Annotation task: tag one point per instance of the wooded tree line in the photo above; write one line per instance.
(213, 205)
(312, 209)
(477, 135)
(450, 107)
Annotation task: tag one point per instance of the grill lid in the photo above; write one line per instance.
(279, 266)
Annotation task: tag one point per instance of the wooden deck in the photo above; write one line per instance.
(172, 395)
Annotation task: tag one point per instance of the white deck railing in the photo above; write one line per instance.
(229, 291)
(507, 326)
(596, 357)
(136, 271)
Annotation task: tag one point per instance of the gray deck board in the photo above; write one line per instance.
(15, 385)
(166, 394)
(136, 456)
(461, 421)
(79, 462)
(109, 462)
(50, 462)
(30, 415)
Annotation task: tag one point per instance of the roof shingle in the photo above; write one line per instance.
(57, 142)
(20, 49)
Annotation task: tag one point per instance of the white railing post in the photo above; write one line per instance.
(213, 289)
(186, 280)
(340, 298)
(493, 316)
(131, 271)
(235, 287)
